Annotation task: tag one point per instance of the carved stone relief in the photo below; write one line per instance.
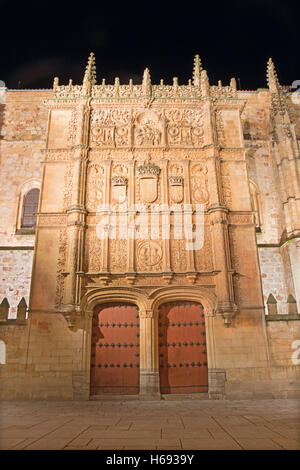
(220, 128)
(118, 255)
(68, 180)
(149, 255)
(93, 250)
(185, 127)
(61, 266)
(148, 130)
(95, 184)
(226, 184)
(136, 128)
(199, 184)
(204, 257)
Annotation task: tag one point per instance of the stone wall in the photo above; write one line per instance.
(41, 358)
(23, 129)
(15, 272)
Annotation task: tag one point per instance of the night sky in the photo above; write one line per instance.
(41, 40)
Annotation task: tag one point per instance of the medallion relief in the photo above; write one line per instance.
(149, 255)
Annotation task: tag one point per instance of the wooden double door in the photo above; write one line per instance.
(115, 364)
(182, 348)
(115, 361)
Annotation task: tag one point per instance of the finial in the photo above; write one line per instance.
(117, 85)
(55, 83)
(90, 73)
(197, 70)
(233, 83)
(204, 83)
(146, 85)
(272, 78)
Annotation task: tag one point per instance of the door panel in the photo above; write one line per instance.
(115, 349)
(182, 348)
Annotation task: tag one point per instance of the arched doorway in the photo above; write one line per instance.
(182, 348)
(115, 349)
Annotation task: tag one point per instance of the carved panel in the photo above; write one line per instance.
(178, 254)
(148, 130)
(199, 183)
(118, 255)
(220, 128)
(93, 251)
(61, 267)
(72, 128)
(204, 257)
(185, 127)
(68, 180)
(110, 127)
(95, 184)
(226, 184)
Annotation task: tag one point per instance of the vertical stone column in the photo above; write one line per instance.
(190, 255)
(221, 249)
(106, 200)
(164, 200)
(76, 213)
(149, 369)
(130, 215)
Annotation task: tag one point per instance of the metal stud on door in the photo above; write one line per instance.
(115, 349)
(182, 348)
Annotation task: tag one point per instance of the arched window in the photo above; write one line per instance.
(30, 208)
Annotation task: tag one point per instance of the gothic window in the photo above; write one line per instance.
(30, 208)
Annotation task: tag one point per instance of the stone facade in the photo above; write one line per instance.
(227, 160)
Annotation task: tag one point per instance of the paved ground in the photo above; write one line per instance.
(133, 424)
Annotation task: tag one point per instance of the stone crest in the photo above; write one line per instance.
(148, 174)
(176, 188)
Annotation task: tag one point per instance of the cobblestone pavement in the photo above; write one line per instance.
(165, 424)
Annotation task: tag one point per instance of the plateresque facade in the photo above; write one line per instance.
(164, 254)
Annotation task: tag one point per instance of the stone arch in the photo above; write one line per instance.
(197, 294)
(101, 296)
(113, 294)
(2, 352)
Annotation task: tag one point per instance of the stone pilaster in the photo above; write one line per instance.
(149, 370)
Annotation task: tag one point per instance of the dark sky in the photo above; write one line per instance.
(40, 40)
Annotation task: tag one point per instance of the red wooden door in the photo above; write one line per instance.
(182, 348)
(115, 349)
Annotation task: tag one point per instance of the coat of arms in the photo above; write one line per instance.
(176, 188)
(148, 180)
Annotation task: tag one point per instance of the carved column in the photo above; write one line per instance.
(76, 214)
(149, 369)
(190, 259)
(165, 213)
(219, 229)
(106, 201)
(130, 217)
